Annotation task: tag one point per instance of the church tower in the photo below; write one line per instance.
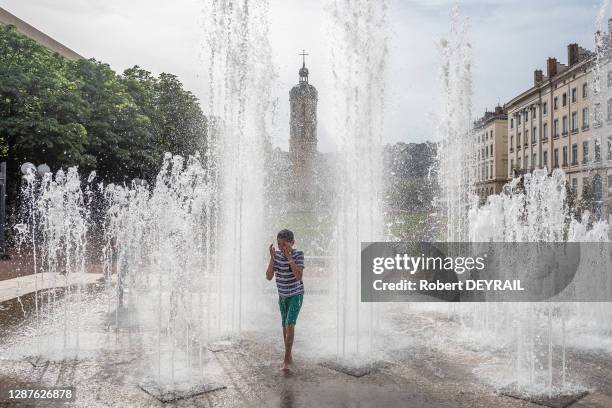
(303, 137)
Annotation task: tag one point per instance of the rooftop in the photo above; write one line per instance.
(43, 39)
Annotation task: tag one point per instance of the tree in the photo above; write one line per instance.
(177, 122)
(81, 113)
(40, 107)
(118, 132)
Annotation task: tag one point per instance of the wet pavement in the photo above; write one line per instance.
(250, 373)
(418, 375)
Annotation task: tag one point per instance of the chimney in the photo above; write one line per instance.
(551, 67)
(572, 54)
(537, 76)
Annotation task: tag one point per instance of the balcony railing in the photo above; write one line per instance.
(565, 133)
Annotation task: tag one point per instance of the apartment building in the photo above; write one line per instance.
(557, 123)
(491, 140)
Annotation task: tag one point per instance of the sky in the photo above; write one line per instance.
(510, 38)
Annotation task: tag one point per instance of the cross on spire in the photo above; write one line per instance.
(303, 54)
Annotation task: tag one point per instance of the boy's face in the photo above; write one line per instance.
(282, 244)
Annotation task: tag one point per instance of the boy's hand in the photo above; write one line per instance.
(272, 251)
(286, 249)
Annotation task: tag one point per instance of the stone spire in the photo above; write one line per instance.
(303, 138)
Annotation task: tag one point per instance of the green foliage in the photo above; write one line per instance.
(67, 113)
(40, 107)
(177, 122)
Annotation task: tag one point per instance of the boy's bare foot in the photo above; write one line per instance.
(285, 366)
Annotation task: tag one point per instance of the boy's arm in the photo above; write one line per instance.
(297, 266)
(270, 270)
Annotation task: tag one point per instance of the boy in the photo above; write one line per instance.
(288, 266)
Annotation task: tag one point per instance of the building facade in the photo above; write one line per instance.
(557, 124)
(303, 138)
(43, 39)
(491, 141)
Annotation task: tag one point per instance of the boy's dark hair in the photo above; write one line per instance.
(285, 235)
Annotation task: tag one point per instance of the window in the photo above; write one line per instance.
(574, 95)
(511, 143)
(585, 90)
(492, 132)
(518, 119)
(491, 148)
(585, 118)
(585, 152)
(525, 162)
(556, 128)
(534, 135)
(491, 173)
(555, 102)
(574, 121)
(574, 154)
(526, 137)
(564, 98)
(564, 125)
(555, 158)
(565, 155)
(518, 140)
(610, 152)
(518, 163)
(511, 123)
(610, 109)
(545, 159)
(597, 114)
(609, 79)
(545, 131)
(597, 150)
(575, 185)
(534, 161)
(511, 165)
(544, 108)
(526, 115)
